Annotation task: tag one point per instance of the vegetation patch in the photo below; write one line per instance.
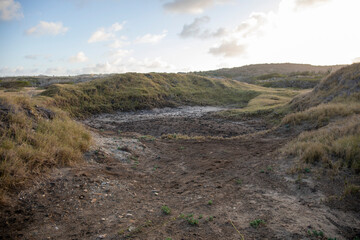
(335, 146)
(256, 223)
(134, 91)
(165, 209)
(33, 139)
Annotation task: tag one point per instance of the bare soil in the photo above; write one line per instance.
(225, 184)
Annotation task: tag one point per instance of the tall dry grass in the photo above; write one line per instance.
(31, 143)
(336, 145)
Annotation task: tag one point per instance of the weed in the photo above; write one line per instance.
(262, 171)
(192, 221)
(256, 223)
(168, 238)
(165, 209)
(210, 202)
(238, 181)
(306, 170)
(200, 216)
(181, 215)
(351, 189)
(317, 233)
(210, 219)
(155, 167)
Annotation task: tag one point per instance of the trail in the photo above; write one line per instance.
(118, 192)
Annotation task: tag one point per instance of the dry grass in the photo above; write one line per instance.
(322, 113)
(335, 146)
(32, 143)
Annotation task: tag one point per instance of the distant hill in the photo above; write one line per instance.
(276, 74)
(44, 81)
(340, 85)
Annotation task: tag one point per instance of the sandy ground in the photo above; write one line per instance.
(223, 184)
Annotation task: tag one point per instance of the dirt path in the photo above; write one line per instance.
(224, 184)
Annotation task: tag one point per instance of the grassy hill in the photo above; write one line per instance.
(331, 114)
(133, 91)
(35, 137)
(279, 75)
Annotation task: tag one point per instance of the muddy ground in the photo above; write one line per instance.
(214, 187)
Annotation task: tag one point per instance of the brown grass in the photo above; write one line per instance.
(322, 113)
(336, 145)
(31, 143)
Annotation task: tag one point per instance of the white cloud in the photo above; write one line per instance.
(100, 36)
(320, 33)
(118, 55)
(117, 27)
(10, 9)
(307, 3)
(47, 28)
(191, 6)
(151, 38)
(78, 58)
(148, 64)
(103, 34)
(195, 30)
(118, 43)
(228, 49)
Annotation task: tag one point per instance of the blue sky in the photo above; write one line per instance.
(68, 37)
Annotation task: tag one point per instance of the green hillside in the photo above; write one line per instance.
(133, 91)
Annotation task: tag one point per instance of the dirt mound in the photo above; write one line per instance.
(344, 83)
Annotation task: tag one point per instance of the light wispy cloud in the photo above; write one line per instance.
(308, 3)
(191, 6)
(130, 64)
(10, 9)
(78, 58)
(47, 28)
(195, 29)
(151, 38)
(106, 34)
(228, 49)
(119, 43)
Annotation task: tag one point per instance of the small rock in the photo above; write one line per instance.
(129, 215)
(131, 228)
(103, 219)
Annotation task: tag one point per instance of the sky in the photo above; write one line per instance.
(71, 37)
